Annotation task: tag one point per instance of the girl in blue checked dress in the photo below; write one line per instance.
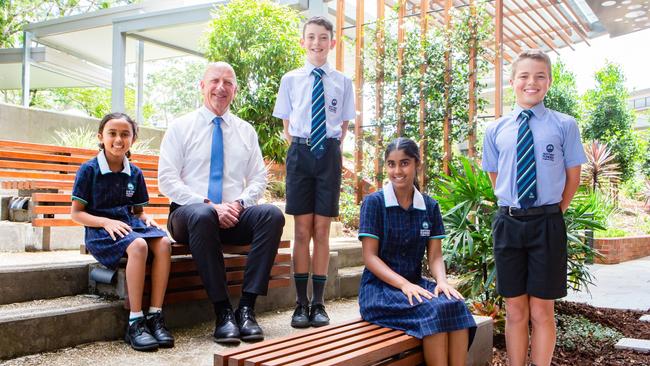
(108, 195)
(397, 224)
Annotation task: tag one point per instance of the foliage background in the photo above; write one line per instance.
(260, 39)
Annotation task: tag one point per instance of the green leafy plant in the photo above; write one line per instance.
(577, 332)
(601, 168)
(348, 208)
(260, 39)
(563, 95)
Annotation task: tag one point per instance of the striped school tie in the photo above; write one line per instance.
(526, 174)
(215, 184)
(318, 131)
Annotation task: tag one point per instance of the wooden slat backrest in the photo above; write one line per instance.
(49, 167)
(21, 156)
(45, 148)
(65, 184)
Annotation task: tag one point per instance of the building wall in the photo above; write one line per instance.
(38, 126)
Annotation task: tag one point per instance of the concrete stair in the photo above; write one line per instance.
(45, 305)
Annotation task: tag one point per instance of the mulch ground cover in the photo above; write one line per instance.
(624, 321)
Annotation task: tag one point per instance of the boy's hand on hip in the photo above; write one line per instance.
(227, 214)
(412, 290)
(116, 228)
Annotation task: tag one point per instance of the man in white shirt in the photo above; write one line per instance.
(211, 167)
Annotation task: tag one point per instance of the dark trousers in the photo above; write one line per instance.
(198, 226)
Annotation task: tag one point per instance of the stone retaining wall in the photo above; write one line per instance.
(616, 250)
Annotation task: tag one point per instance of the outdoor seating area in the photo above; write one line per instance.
(421, 166)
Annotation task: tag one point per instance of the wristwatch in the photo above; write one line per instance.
(206, 200)
(241, 203)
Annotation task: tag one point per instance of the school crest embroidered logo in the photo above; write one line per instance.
(332, 107)
(425, 231)
(549, 155)
(130, 190)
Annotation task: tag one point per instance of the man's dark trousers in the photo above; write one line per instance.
(198, 226)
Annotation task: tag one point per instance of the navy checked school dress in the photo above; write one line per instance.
(403, 236)
(112, 195)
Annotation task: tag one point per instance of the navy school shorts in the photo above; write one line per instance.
(313, 185)
(531, 255)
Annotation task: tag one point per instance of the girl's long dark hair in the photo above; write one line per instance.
(411, 150)
(118, 115)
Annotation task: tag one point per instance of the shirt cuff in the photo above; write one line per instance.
(438, 237)
(368, 235)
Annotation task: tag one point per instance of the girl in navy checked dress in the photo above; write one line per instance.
(397, 224)
(108, 195)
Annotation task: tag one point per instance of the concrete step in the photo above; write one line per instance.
(45, 325)
(42, 281)
(348, 281)
(349, 249)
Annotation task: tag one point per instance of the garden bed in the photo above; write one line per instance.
(598, 353)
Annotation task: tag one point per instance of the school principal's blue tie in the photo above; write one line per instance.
(215, 184)
(526, 174)
(318, 130)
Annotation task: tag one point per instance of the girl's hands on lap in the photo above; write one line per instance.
(151, 222)
(116, 228)
(412, 290)
(448, 290)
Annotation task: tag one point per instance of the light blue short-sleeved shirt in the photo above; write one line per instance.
(557, 148)
(294, 100)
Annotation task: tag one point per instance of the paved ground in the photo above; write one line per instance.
(194, 346)
(620, 286)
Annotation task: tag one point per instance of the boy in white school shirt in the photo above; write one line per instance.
(315, 103)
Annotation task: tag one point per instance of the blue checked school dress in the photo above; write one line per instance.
(403, 236)
(113, 195)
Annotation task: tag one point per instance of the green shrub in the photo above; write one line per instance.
(611, 232)
(348, 208)
(276, 189)
(578, 333)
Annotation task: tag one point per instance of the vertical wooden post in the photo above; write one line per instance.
(401, 34)
(446, 159)
(471, 114)
(340, 18)
(498, 59)
(379, 95)
(424, 7)
(358, 126)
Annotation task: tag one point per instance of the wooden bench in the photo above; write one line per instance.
(353, 343)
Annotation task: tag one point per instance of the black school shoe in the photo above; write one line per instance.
(300, 317)
(248, 328)
(226, 329)
(317, 316)
(139, 336)
(156, 324)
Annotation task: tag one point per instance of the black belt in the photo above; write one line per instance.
(531, 211)
(306, 141)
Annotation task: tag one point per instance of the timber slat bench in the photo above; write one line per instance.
(353, 343)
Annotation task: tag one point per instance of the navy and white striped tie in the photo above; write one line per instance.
(526, 174)
(318, 130)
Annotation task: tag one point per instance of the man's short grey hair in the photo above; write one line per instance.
(220, 64)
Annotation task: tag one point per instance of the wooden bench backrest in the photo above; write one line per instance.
(351, 343)
(40, 166)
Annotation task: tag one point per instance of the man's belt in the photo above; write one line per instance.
(531, 211)
(306, 141)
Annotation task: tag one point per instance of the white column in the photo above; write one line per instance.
(27, 58)
(139, 101)
(118, 78)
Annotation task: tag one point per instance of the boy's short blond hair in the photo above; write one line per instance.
(535, 54)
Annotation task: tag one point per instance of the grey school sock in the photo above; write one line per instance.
(301, 280)
(318, 288)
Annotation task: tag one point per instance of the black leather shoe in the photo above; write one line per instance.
(139, 336)
(248, 327)
(226, 330)
(300, 317)
(156, 324)
(317, 316)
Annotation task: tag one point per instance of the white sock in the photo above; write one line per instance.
(133, 316)
(153, 310)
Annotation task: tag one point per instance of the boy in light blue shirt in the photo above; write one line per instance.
(533, 157)
(315, 104)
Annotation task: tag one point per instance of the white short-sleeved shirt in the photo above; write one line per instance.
(294, 100)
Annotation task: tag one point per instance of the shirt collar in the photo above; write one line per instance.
(208, 115)
(538, 110)
(390, 200)
(105, 169)
(327, 68)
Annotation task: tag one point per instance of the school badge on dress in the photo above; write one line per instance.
(425, 231)
(130, 190)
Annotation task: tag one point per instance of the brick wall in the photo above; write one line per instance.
(616, 250)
